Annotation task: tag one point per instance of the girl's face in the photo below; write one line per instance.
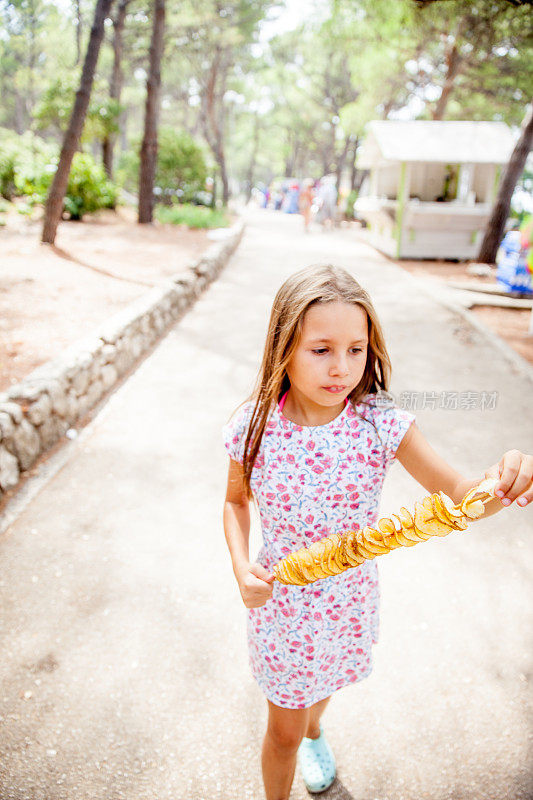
(330, 358)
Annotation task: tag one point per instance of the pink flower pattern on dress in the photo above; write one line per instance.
(308, 641)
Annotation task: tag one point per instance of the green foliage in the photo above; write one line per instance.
(4, 206)
(350, 200)
(126, 172)
(193, 216)
(27, 168)
(180, 164)
(490, 43)
(8, 157)
(27, 165)
(53, 110)
(88, 187)
(181, 169)
(279, 105)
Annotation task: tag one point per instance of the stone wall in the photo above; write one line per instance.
(38, 411)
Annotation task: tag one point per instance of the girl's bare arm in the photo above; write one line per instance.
(515, 471)
(255, 582)
(237, 518)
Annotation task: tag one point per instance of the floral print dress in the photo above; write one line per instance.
(310, 481)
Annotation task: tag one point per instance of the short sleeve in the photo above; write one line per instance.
(396, 423)
(389, 421)
(234, 432)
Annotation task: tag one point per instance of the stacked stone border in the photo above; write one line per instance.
(38, 411)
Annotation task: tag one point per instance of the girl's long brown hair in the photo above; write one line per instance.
(315, 284)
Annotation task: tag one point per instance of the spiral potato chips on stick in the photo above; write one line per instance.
(435, 515)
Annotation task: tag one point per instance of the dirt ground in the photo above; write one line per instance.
(51, 296)
(511, 324)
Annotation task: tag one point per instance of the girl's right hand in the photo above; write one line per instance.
(255, 585)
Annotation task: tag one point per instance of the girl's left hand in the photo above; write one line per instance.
(515, 471)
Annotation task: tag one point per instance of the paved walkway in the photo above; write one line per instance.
(124, 666)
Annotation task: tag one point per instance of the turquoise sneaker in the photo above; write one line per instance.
(317, 763)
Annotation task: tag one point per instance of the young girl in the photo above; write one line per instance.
(312, 446)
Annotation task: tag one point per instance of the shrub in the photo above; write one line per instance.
(88, 187)
(350, 200)
(4, 207)
(27, 168)
(24, 160)
(181, 170)
(8, 157)
(193, 216)
(181, 165)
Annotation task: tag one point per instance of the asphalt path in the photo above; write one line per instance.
(124, 669)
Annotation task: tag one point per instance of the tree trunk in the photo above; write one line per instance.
(78, 32)
(149, 145)
(20, 112)
(253, 159)
(353, 160)
(500, 210)
(387, 108)
(213, 111)
(224, 178)
(340, 163)
(289, 164)
(453, 63)
(54, 201)
(115, 84)
(32, 59)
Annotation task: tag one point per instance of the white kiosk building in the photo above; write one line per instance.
(431, 185)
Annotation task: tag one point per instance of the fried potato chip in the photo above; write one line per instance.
(435, 515)
(318, 554)
(362, 548)
(474, 509)
(448, 504)
(404, 541)
(306, 564)
(333, 567)
(293, 571)
(386, 526)
(406, 518)
(374, 541)
(411, 534)
(426, 521)
(350, 548)
(439, 510)
(487, 486)
(340, 555)
(397, 523)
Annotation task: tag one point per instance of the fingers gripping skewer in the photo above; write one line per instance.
(435, 515)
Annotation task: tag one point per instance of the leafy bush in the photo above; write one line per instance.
(3, 208)
(88, 187)
(350, 200)
(52, 112)
(181, 165)
(181, 169)
(8, 157)
(26, 165)
(27, 168)
(193, 216)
